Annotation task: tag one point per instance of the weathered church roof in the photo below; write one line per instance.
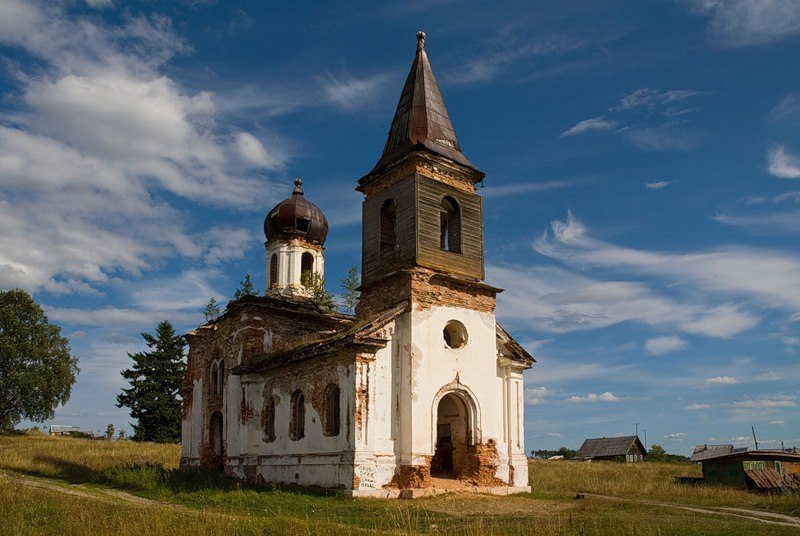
(361, 333)
(512, 348)
(607, 447)
(296, 215)
(421, 120)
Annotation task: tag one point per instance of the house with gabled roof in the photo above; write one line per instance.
(627, 448)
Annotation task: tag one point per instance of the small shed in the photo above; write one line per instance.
(759, 470)
(628, 448)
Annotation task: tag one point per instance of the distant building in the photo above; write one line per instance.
(703, 452)
(628, 448)
(759, 470)
(61, 429)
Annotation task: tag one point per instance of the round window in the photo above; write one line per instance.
(455, 334)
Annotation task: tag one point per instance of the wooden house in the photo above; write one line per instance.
(759, 470)
(626, 448)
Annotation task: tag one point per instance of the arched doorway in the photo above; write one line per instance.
(216, 431)
(452, 437)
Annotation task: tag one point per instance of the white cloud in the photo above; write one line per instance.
(773, 401)
(768, 277)
(678, 436)
(670, 136)
(777, 423)
(350, 93)
(590, 125)
(697, 406)
(664, 345)
(725, 380)
(592, 397)
(769, 376)
(102, 135)
(782, 164)
(736, 23)
(508, 190)
(652, 98)
(536, 395)
(658, 185)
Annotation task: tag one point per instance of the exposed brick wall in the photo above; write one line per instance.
(423, 291)
(240, 333)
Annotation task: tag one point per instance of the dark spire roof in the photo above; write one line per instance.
(421, 119)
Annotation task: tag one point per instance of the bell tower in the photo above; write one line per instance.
(422, 219)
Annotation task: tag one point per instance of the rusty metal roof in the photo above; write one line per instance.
(769, 479)
(296, 215)
(604, 447)
(421, 120)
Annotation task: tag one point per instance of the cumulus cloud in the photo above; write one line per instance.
(664, 345)
(678, 436)
(592, 397)
(589, 125)
(737, 23)
(536, 395)
(782, 164)
(725, 380)
(102, 138)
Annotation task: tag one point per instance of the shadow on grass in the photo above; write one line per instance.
(150, 477)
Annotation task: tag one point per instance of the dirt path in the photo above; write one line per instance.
(98, 494)
(116, 497)
(754, 515)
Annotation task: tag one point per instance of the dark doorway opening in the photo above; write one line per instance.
(452, 437)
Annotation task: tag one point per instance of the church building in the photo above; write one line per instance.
(419, 392)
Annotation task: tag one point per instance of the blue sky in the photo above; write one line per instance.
(642, 198)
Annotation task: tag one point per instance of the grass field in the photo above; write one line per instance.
(78, 486)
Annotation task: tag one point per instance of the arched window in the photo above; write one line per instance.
(450, 225)
(216, 432)
(307, 269)
(214, 378)
(388, 224)
(297, 425)
(332, 417)
(269, 419)
(273, 271)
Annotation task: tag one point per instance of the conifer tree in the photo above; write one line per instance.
(154, 379)
(246, 288)
(350, 285)
(212, 310)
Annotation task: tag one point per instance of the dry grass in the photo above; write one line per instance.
(652, 481)
(73, 487)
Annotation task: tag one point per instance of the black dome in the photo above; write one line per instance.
(297, 216)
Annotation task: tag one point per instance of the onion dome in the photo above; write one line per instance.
(296, 216)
